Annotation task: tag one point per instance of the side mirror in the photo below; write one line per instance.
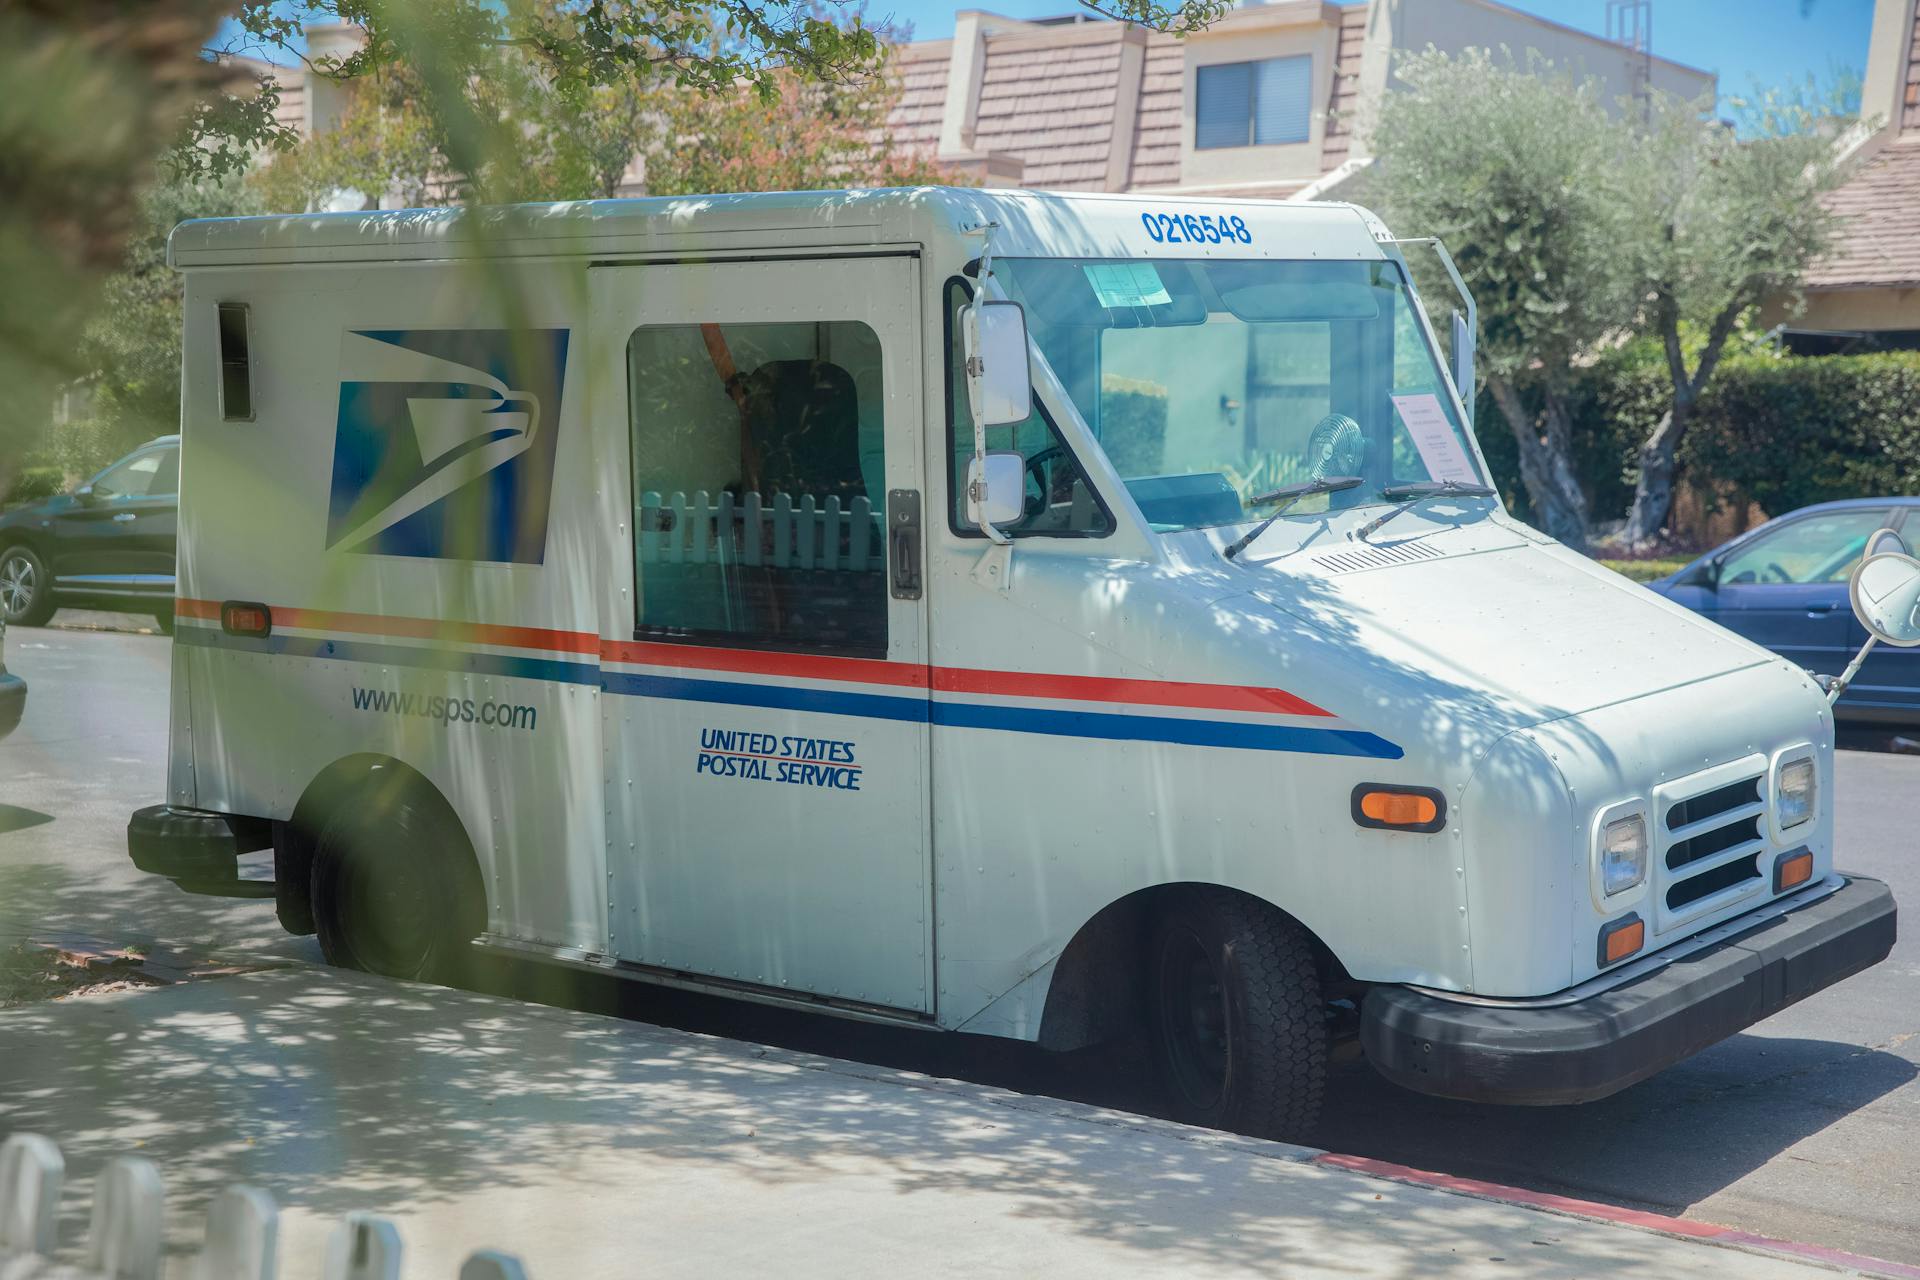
(85, 495)
(1885, 590)
(998, 381)
(996, 488)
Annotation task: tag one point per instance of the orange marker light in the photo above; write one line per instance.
(1620, 939)
(244, 618)
(1792, 869)
(1399, 808)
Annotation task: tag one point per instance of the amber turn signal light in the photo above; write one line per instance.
(1792, 869)
(244, 618)
(1621, 938)
(1399, 808)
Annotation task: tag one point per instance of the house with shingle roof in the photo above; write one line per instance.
(1262, 104)
(1864, 295)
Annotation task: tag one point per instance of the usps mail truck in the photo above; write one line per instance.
(1028, 615)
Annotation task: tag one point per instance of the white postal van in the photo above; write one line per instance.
(706, 591)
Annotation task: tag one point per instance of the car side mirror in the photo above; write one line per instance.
(998, 380)
(996, 488)
(1885, 590)
(1704, 574)
(86, 496)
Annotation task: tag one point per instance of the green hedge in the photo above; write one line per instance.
(33, 484)
(1782, 431)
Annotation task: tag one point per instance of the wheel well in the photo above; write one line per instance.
(1085, 1006)
(365, 780)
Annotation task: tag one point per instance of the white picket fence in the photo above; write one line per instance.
(126, 1235)
(783, 534)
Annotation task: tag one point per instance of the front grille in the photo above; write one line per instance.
(1711, 838)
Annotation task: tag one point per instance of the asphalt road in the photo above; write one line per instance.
(1807, 1127)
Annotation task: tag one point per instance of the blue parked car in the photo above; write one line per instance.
(1784, 585)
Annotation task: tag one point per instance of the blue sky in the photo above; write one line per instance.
(1776, 41)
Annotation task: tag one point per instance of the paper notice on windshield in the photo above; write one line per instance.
(1433, 436)
(1127, 284)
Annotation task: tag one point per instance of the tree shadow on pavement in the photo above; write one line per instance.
(335, 1091)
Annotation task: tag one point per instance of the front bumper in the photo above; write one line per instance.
(13, 701)
(1540, 1054)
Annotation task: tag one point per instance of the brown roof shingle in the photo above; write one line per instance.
(1879, 240)
(1156, 138)
(914, 121)
(1052, 104)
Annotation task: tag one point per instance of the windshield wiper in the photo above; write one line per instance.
(1418, 492)
(1286, 496)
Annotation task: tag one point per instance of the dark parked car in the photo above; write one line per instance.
(107, 545)
(1784, 585)
(13, 690)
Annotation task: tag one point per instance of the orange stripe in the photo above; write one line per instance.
(1153, 693)
(807, 666)
(373, 624)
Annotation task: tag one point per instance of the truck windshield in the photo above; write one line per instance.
(1209, 382)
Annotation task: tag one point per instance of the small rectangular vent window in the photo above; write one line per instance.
(236, 364)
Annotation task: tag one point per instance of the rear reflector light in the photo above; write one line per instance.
(1621, 938)
(1399, 808)
(244, 618)
(1792, 869)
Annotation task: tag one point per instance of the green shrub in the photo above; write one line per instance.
(33, 484)
(1783, 432)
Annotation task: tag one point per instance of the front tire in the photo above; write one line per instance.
(387, 896)
(26, 590)
(1236, 1016)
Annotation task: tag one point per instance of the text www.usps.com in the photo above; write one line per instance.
(434, 706)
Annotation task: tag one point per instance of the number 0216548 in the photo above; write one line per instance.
(1196, 228)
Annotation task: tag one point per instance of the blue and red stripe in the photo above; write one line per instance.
(912, 692)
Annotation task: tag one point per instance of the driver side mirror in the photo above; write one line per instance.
(87, 497)
(998, 381)
(996, 487)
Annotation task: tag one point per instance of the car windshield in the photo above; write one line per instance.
(1211, 382)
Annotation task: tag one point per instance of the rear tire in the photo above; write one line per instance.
(1236, 1017)
(26, 591)
(388, 893)
(163, 619)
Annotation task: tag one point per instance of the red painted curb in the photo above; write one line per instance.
(1592, 1209)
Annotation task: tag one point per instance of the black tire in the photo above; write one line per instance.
(26, 590)
(163, 619)
(390, 893)
(1235, 1016)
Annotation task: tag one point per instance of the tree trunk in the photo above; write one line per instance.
(1653, 492)
(1546, 464)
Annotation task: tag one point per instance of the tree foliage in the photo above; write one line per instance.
(1577, 221)
(1503, 162)
(1715, 224)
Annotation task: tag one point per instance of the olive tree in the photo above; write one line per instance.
(1716, 222)
(1506, 163)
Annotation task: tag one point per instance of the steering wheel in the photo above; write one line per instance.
(1779, 574)
(1036, 467)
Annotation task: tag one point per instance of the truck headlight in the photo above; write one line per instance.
(1623, 854)
(1794, 791)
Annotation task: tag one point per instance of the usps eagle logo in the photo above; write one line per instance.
(444, 443)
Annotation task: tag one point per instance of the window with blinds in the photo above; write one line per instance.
(1253, 104)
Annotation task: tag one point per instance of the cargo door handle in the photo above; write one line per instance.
(903, 543)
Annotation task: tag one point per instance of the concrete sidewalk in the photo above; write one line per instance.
(594, 1147)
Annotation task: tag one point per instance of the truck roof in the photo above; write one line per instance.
(1030, 222)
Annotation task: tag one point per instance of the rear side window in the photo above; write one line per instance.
(236, 363)
(758, 477)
